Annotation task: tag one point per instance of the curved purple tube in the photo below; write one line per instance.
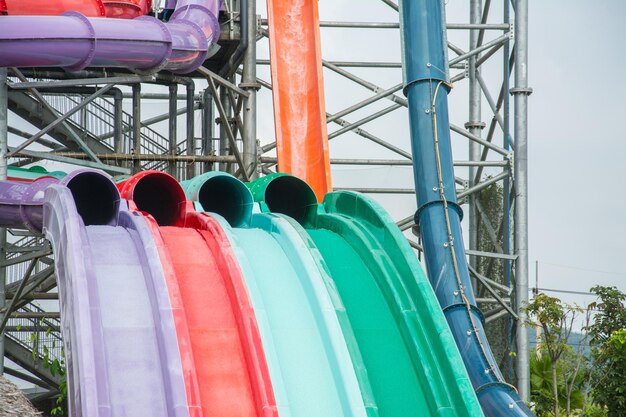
(76, 42)
(21, 203)
(95, 196)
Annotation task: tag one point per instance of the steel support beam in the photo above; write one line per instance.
(190, 131)
(520, 94)
(249, 84)
(136, 125)
(172, 128)
(4, 126)
(475, 127)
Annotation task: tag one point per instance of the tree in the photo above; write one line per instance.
(556, 320)
(611, 315)
(608, 342)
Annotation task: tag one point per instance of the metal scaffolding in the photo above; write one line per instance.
(122, 123)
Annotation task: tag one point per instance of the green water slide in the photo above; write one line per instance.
(405, 352)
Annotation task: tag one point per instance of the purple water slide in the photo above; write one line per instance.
(75, 42)
(120, 340)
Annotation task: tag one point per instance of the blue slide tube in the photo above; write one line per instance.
(439, 216)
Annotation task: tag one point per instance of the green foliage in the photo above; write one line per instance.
(611, 314)
(541, 383)
(592, 410)
(57, 368)
(609, 374)
(556, 321)
(608, 343)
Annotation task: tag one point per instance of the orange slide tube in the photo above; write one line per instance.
(298, 90)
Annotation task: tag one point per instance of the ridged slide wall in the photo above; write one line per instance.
(307, 355)
(118, 327)
(406, 347)
(224, 350)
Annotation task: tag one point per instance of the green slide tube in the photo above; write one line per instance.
(409, 355)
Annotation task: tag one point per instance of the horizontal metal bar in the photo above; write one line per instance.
(81, 162)
(356, 64)
(161, 96)
(31, 329)
(41, 296)
(154, 157)
(491, 254)
(131, 79)
(396, 25)
(490, 301)
(378, 190)
(393, 162)
(35, 315)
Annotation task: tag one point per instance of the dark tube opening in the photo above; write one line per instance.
(228, 197)
(160, 196)
(293, 197)
(96, 197)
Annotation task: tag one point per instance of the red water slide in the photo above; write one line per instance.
(120, 9)
(298, 89)
(223, 359)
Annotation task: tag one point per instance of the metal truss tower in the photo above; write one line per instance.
(220, 117)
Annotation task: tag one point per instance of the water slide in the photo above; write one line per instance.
(117, 319)
(308, 358)
(425, 66)
(181, 45)
(389, 305)
(298, 92)
(222, 347)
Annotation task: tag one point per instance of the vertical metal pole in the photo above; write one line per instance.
(475, 127)
(250, 84)
(136, 126)
(118, 133)
(506, 192)
(224, 143)
(520, 93)
(207, 128)
(191, 143)
(171, 166)
(4, 131)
